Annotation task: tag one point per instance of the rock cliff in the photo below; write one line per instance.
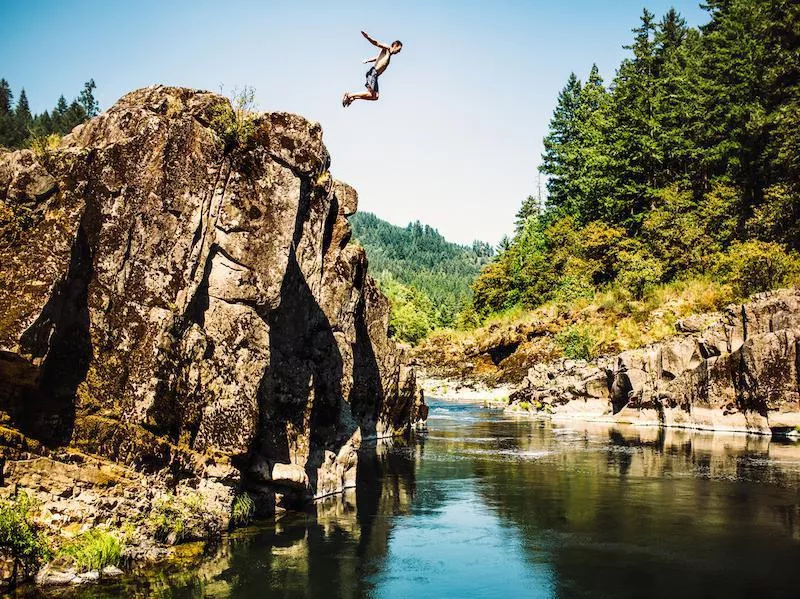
(737, 370)
(183, 314)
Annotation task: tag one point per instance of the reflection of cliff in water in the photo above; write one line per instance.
(648, 512)
(329, 551)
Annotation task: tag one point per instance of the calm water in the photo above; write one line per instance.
(486, 505)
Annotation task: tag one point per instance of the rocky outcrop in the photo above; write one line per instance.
(181, 314)
(738, 370)
(494, 356)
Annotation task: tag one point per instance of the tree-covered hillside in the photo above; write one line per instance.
(427, 277)
(20, 128)
(686, 165)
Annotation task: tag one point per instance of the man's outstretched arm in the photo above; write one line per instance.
(374, 42)
(368, 60)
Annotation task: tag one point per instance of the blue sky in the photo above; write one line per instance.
(457, 134)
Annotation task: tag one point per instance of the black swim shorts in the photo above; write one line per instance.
(372, 80)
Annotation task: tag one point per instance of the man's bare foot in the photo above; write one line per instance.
(346, 100)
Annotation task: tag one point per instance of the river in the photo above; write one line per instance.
(489, 505)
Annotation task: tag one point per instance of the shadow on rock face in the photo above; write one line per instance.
(301, 389)
(366, 396)
(43, 406)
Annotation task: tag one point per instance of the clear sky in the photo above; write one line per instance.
(454, 140)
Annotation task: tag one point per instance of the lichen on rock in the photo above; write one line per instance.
(190, 312)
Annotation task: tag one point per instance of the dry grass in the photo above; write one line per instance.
(613, 320)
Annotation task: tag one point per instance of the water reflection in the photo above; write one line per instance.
(487, 505)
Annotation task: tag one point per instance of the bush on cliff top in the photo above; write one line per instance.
(235, 122)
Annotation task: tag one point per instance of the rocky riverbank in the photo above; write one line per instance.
(737, 370)
(183, 322)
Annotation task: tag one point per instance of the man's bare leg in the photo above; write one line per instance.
(367, 95)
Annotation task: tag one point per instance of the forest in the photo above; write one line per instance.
(426, 277)
(685, 166)
(19, 128)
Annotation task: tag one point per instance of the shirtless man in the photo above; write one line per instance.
(381, 62)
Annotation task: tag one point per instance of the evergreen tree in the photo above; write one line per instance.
(6, 97)
(23, 109)
(734, 72)
(594, 180)
(58, 115)
(7, 127)
(22, 119)
(560, 157)
(87, 99)
(530, 209)
(634, 130)
(74, 116)
(676, 100)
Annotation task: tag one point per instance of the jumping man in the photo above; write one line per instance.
(381, 62)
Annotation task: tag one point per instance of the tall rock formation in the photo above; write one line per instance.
(179, 311)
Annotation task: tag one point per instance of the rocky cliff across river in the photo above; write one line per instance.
(737, 370)
(183, 317)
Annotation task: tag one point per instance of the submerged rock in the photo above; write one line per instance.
(178, 315)
(736, 371)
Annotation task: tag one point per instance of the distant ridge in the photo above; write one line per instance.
(438, 272)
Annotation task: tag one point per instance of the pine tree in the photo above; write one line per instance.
(560, 157)
(87, 99)
(634, 130)
(74, 116)
(6, 97)
(594, 177)
(23, 109)
(58, 115)
(7, 128)
(22, 120)
(676, 100)
(530, 208)
(734, 69)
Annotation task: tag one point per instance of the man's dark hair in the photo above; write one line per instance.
(397, 43)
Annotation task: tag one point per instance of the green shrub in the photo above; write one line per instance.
(167, 518)
(94, 549)
(577, 342)
(174, 518)
(43, 144)
(235, 122)
(638, 272)
(19, 536)
(573, 288)
(242, 510)
(755, 266)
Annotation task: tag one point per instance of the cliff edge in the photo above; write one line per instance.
(183, 314)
